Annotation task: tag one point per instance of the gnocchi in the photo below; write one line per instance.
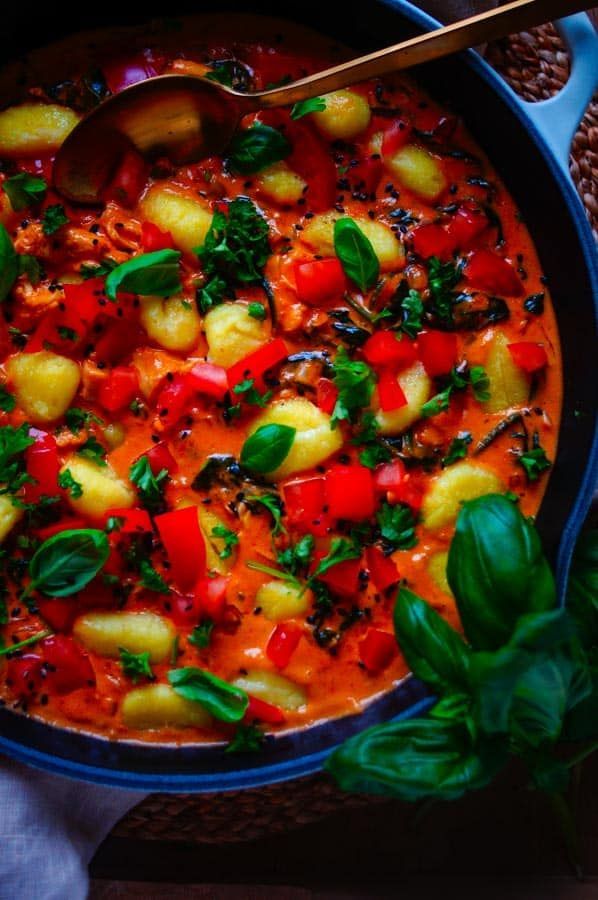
(419, 171)
(509, 385)
(232, 333)
(159, 705)
(138, 632)
(33, 129)
(214, 544)
(186, 218)
(45, 384)
(172, 322)
(279, 600)
(417, 386)
(315, 440)
(346, 115)
(101, 488)
(437, 571)
(10, 514)
(319, 235)
(463, 481)
(279, 183)
(272, 688)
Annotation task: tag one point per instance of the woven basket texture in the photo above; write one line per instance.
(536, 65)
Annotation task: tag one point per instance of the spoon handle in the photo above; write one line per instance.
(508, 19)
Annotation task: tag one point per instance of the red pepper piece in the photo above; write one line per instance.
(395, 137)
(67, 524)
(487, 271)
(68, 664)
(184, 544)
(120, 388)
(152, 238)
(42, 463)
(58, 612)
(437, 351)
(466, 225)
(208, 379)
(128, 181)
(326, 395)
(390, 392)
(528, 356)
(389, 476)
(433, 240)
(122, 73)
(350, 492)
(116, 342)
(304, 501)
(319, 280)
(183, 609)
(263, 712)
(24, 675)
(377, 650)
(411, 491)
(366, 175)
(173, 400)
(384, 348)
(160, 457)
(211, 594)
(383, 570)
(343, 578)
(282, 643)
(255, 364)
(134, 520)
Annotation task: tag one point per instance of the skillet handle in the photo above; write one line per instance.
(558, 117)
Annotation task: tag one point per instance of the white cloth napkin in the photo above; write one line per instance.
(50, 827)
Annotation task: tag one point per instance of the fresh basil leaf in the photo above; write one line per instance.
(67, 561)
(136, 665)
(267, 448)
(149, 486)
(255, 148)
(355, 382)
(247, 739)
(417, 759)
(54, 218)
(497, 570)
(304, 107)
(156, 274)
(24, 189)
(223, 700)
(9, 265)
(433, 650)
(356, 254)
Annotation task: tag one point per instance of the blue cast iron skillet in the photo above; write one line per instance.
(529, 147)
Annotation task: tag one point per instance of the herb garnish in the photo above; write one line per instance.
(304, 107)
(24, 190)
(223, 700)
(67, 562)
(149, 486)
(13, 442)
(150, 579)
(9, 266)
(247, 739)
(253, 149)
(68, 483)
(267, 448)
(355, 381)
(201, 635)
(356, 253)
(457, 449)
(136, 665)
(397, 525)
(93, 450)
(534, 461)
(54, 217)
(156, 274)
(230, 538)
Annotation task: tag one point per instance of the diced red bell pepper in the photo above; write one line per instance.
(466, 225)
(134, 520)
(24, 675)
(528, 356)
(437, 351)
(255, 364)
(271, 65)
(119, 389)
(326, 395)
(487, 271)
(263, 712)
(377, 650)
(366, 175)
(58, 612)
(304, 501)
(395, 137)
(42, 463)
(383, 570)
(183, 609)
(390, 393)
(160, 457)
(385, 348)
(433, 240)
(116, 342)
(152, 238)
(211, 594)
(184, 544)
(319, 280)
(349, 492)
(343, 578)
(128, 181)
(389, 476)
(122, 73)
(173, 400)
(67, 524)
(67, 663)
(411, 491)
(209, 380)
(282, 643)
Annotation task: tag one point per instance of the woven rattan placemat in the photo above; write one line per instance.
(536, 65)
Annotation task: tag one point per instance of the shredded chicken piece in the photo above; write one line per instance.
(290, 317)
(39, 297)
(67, 439)
(80, 241)
(91, 378)
(123, 230)
(32, 240)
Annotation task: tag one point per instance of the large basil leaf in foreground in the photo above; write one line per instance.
(497, 570)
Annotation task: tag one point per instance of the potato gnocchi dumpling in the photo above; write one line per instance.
(158, 705)
(318, 234)
(44, 383)
(10, 514)
(437, 571)
(347, 114)
(279, 600)
(33, 129)
(272, 688)
(419, 171)
(417, 387)
(232, 333)
(279, 183)
(215, 545)
(138, 632)
(315, 440)
(463, 481)
(101, 488)
(509, 385)
(172, 322)
(187, 219)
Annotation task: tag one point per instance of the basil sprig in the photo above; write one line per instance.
(255, 148)
(155, 274)
(9, 263)
(266, 448)
(355, 251)
(223, 700)
(304, 107)
(24, 189)
(67, 562)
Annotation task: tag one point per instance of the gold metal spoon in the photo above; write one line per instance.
(185, 117)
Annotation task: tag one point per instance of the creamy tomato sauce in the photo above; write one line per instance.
(137, 409)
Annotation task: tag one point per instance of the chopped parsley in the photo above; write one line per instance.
(68, 483)
(150, 487)
(273, 504)
(442, 278)
(7, 400)
(457, 449)
(77, 418)
(150, 579)
(355, 382)
(247, 390)
(304, 107)
(13, 443)
(340, 551)
(93, 450)
(534, 461)
(397, 526)
(229, 537)
(412, 311)
(54, 218)
(297, 557)
(247, 739)
(201, 635)
(24, 190)
(136, 665)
